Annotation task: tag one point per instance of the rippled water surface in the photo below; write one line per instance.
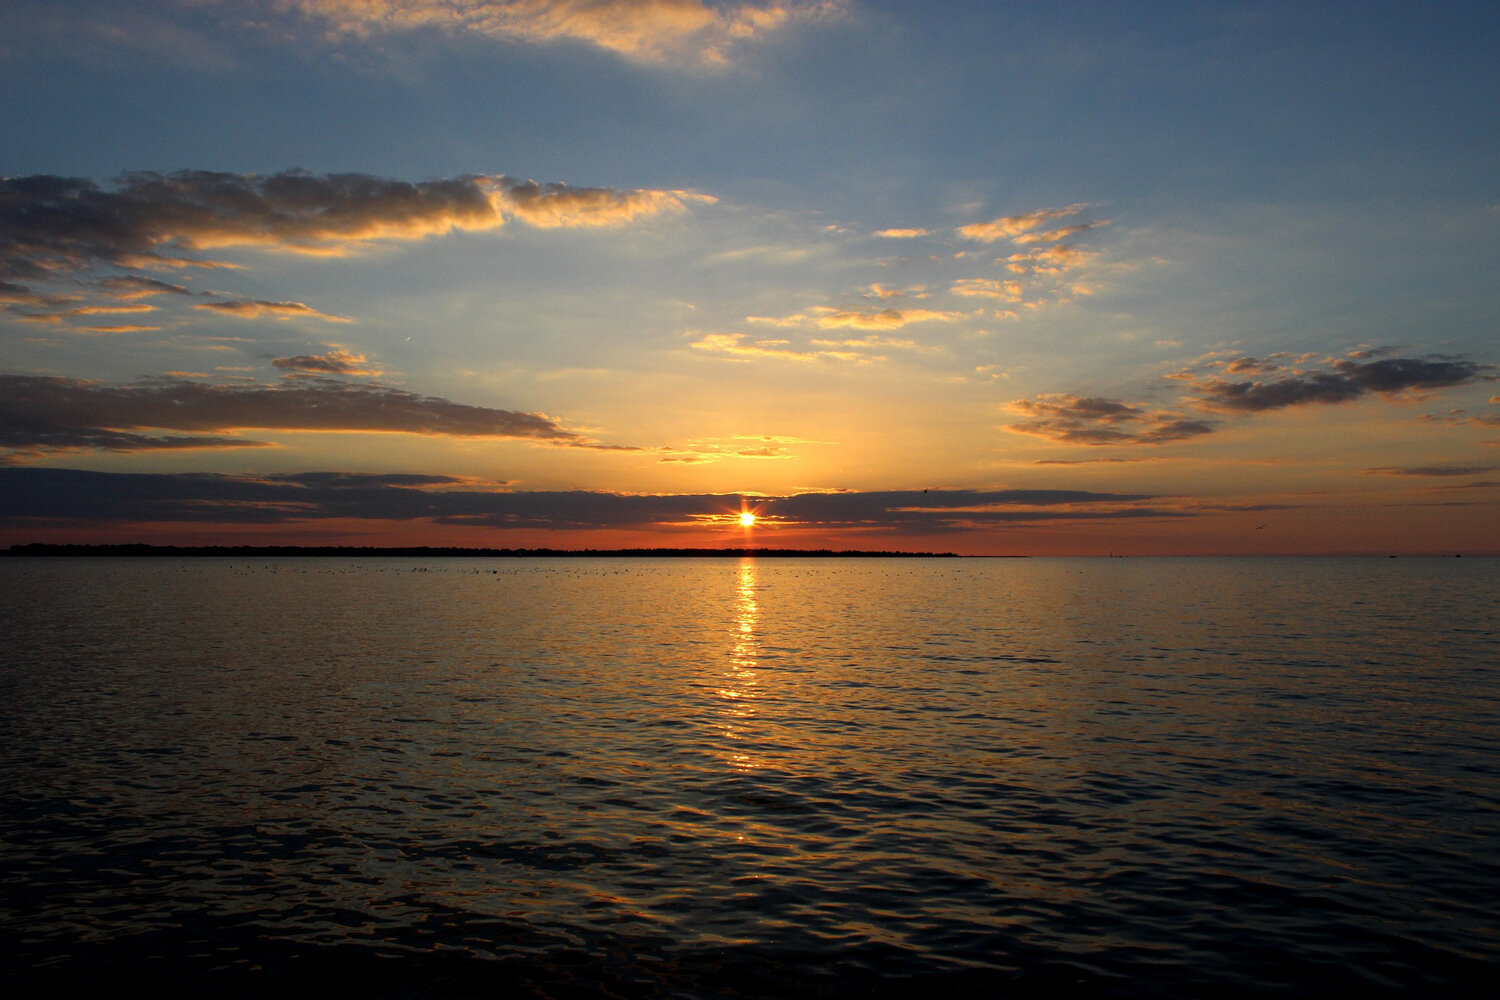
(726, 778)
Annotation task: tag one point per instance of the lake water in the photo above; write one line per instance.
(732, 777)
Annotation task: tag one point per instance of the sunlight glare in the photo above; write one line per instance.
(747, 519)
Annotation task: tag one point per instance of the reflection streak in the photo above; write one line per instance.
(740, 683)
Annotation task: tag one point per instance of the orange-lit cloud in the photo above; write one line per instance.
(1051, 260)
(254, 309)
(553, 206)
(1056, 235)
(740, 347)
(1004, 291)
(766, 446)
(902, 234)
(829, 318)
(649, 31)
(879, 291)
(1011, 226)
(109, 310)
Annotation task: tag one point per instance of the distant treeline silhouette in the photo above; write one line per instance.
(425, 551)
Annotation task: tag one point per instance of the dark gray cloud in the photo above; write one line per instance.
(335, 362)
(1094, 421)
(37, 495)
(1434, 471)
(1091, 420)
(51, 225)
(135, 286)
(1350, 379)
(49, 413)
(12, 294)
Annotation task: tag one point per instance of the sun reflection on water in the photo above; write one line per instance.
(739, 688)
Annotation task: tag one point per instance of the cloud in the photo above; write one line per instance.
(1053, 260)
(553, 206)
(20, 295)
(53, 225)
(110, 310)
(829, 318)
(879, 291)
(686, 32)
(1011, 226)
(873, 340)
(1349, 379)
(736, 346)
(1004, 291)
(1055, 235)
(1285, 381)
(57, 316)
(1434, 471)
(42, 414)
(335, 362)
(902, 234)
(764, 446)
(135, 286)
(1094, 421)
(254, 309)
(46, 495)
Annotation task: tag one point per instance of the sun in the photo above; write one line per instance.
(747, 519)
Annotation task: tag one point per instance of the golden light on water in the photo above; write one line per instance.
(739, 682)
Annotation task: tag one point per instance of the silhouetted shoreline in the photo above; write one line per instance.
(363, 551)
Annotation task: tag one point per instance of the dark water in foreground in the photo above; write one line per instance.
(724, 778)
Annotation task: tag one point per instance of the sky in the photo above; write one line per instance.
(992, 278)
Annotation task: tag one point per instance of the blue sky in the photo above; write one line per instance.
(1178, 264)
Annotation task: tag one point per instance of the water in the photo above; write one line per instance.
(736, 778)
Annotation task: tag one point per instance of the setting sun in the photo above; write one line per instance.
(747, 519)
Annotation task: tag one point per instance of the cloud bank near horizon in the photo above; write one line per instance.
(41, 496)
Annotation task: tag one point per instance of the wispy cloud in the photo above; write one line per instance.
(1433, 471)
(742, 348)
(1009, 227)
(135, 286)
(1003, 291)
(830, 318)
(254, 309)
(675, 32)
